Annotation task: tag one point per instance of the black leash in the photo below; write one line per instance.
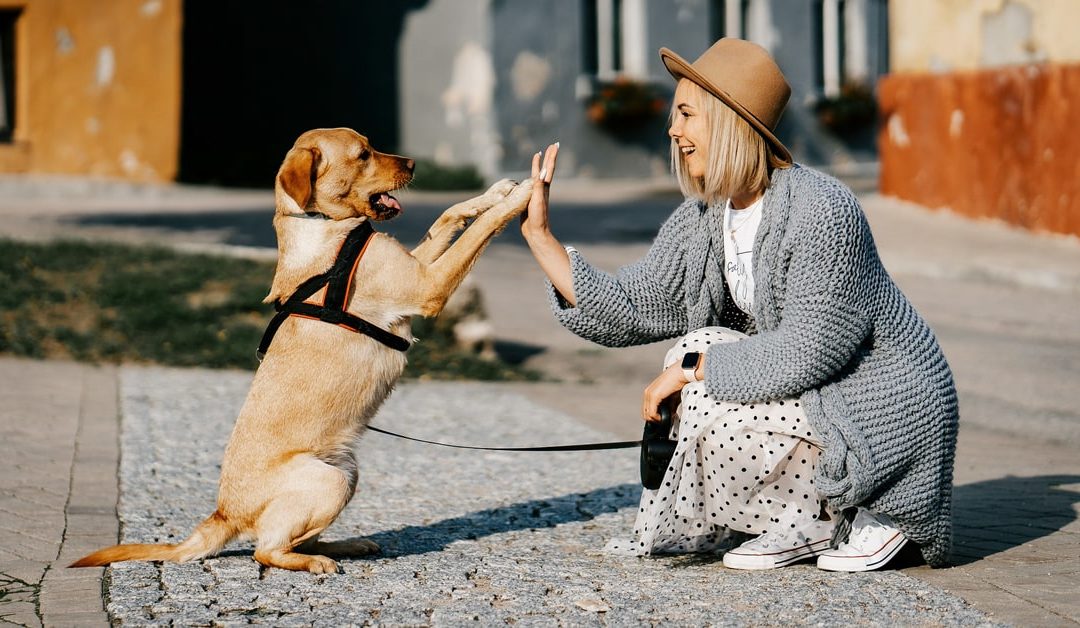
(338, 281)
(625, 444)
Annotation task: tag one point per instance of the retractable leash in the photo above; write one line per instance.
(623, 444)
(656, 445)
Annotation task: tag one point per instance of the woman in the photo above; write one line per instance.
(817, 410)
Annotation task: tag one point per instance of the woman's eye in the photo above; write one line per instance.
(365, 154)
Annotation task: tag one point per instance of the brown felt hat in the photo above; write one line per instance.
(744, 77)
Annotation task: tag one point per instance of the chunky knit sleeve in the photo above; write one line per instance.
(641, 302)
(829, 260)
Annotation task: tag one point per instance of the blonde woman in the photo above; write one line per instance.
(818, 416)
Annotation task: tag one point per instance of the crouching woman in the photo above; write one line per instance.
(818, 416)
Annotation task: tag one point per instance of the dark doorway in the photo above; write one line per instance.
(257, 74)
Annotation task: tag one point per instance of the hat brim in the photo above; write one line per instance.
(680, 69)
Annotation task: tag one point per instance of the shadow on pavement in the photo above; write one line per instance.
(631, 221)
(996, 515)
(539, 513)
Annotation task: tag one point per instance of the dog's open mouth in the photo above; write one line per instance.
(384, 205)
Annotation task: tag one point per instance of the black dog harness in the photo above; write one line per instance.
(338, 281)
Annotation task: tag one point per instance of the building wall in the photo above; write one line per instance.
(979, 113)
(489, 82)
(98, 88)
(446, 84)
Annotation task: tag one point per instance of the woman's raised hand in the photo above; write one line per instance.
(536, 227)
(534, 222)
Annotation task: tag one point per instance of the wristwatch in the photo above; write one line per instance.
(690, 364)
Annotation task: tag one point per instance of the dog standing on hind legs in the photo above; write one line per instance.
(289, 468)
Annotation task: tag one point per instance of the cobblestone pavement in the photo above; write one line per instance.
(493, 537)
(500, 535)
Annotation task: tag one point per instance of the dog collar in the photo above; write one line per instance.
(308, 215)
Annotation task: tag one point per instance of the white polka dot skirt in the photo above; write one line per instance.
(737, 467)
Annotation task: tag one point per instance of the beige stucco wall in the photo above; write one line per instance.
(98, 88)
(959, 35)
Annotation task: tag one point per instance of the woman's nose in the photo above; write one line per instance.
(672, 131)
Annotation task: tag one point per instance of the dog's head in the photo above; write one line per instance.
(336, 172)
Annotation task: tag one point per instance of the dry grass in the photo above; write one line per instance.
(112, 303)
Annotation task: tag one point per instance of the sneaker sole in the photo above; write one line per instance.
(868, 562)
(735, 560)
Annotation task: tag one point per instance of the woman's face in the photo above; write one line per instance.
(690, 130)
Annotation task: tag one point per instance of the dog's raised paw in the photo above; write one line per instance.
(500, 189)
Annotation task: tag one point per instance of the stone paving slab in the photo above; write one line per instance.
(466, 536)
(58, 423)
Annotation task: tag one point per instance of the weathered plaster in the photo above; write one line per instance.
(529, 75)
(98, 88)
(992, 143)
(961, 35)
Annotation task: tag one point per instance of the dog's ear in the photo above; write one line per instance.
(298, 173)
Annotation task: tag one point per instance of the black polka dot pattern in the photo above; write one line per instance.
(737, 467)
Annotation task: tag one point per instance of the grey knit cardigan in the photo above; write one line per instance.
(832, 327)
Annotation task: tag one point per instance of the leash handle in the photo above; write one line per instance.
(625, 444)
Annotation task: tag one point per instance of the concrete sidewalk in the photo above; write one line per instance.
(480, 553)
(1004, 303)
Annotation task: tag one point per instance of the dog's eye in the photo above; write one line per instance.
(365, 154)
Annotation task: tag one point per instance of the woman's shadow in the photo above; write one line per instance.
(988, 517)
(996, 515)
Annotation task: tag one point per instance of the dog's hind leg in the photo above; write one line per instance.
(312, 495)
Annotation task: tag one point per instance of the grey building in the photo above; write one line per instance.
(489, 82)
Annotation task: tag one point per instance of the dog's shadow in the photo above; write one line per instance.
(534, 514)
(539, 513)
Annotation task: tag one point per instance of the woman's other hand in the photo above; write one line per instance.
(536, 228)
(668, 383)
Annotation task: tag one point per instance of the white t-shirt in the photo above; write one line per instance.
(740, 228)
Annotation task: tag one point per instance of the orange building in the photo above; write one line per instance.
(202, 92)
(91, 87)
(980, 110)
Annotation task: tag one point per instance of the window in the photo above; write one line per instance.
(7, 74)
(613, 38)
(728, 18)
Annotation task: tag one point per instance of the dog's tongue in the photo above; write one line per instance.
(389, 201)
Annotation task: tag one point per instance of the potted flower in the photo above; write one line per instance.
(850, 112)
(625, 104)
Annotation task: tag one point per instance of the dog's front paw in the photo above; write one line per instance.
(520, 195)
(500, 189)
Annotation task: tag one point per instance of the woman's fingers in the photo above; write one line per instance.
(536, 166)
(547, 173)
(667, 384)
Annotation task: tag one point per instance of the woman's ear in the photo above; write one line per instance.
(298, 173)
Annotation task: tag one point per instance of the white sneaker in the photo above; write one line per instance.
(873, 541)
(779, 548)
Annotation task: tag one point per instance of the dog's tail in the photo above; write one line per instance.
(208, 538)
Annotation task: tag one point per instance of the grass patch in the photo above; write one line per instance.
(113, 303)
(430, 175)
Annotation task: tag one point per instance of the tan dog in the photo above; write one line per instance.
(289, 468)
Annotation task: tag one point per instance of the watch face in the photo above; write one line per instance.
(690, 360)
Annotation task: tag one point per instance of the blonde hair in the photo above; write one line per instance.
(741, 160)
